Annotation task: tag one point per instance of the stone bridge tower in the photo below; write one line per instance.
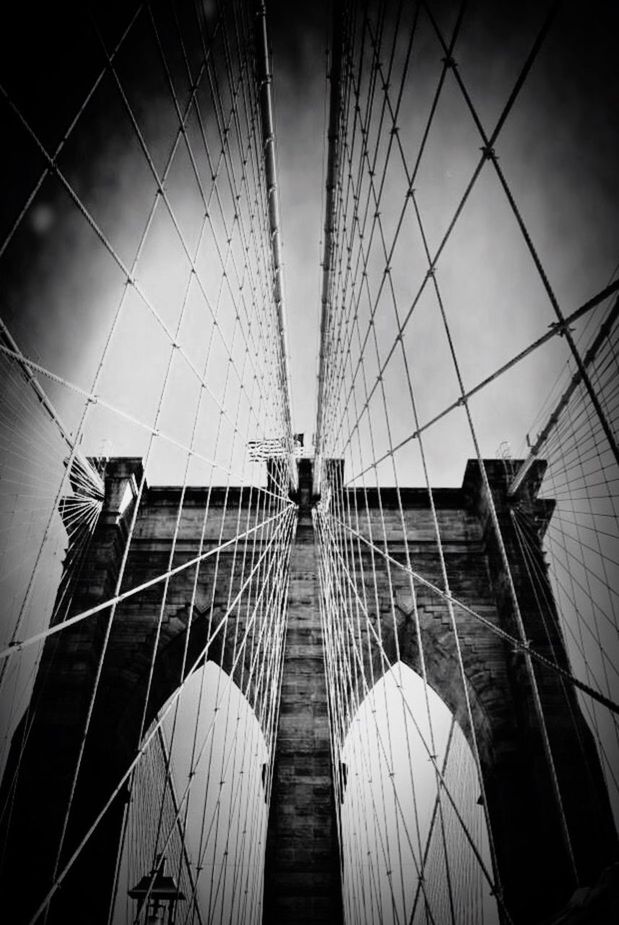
(302, 880)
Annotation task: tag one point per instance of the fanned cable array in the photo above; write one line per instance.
(143, 345)
(445, 317)
(583, 539)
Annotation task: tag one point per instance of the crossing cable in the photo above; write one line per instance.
(490, 154)
(432, 757)
(278, 609)
(603, 333)
(181, 829)
(432, 263)
(399, 223)
(339, 695)
(554, 331)
(137, 589)
(347, 608)
(94, 399)
(160, 194)
(115, 322)
(268, 132)
(412, 591)
(350, 558)
(362, 260)
(251, 118)
(259, 516)
(161, 191)
(324, 518)
(110, 621)
(435, 810)
(192, 760)
(224, 771)
(497, 630)
(173, 548)
(255, 165)
(358, 662)
(68, 132)
(545, 608)
(150, 735)
(283, 527)
(537, 578)
(377, 214)
(565, 536)
(333, 155)
(433, 260)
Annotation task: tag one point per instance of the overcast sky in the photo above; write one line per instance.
(559, 151)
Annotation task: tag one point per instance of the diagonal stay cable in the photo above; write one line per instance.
(490, 154)
(554, 331)
(149, 736)
(516, 643)
(131, 592)
(107, 244)
(103, 403)
(433, 259)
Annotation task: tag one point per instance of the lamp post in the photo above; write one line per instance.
(161, 894)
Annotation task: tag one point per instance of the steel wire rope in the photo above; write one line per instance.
(386, 415)
(175, 532)
(117, 586)
(391, 597)
(353, 636)
(224, 768)
(383, 842)
(192, 759)
(536, 574)
(234, 117)
(191, 258)
(237, 523)
(371, 171)
(435, 810)
(513, 640)
(389, 737)
(491, 155)
(110, 334)
(503, 558)
(431, 756)
(98, 400)
(142, 749)
(210, 911)
(384, 82)
(228, 687)
(433, 260)
(555, 330)
(384, 657)
(342, 724)
(602, 581)
(129, 275)
(67, 133)
(545, 608)
(257, 169)
(229, 827)
(230, 675)
(398, 227)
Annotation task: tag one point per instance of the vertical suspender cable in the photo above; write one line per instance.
(268, 139)
(333, 153)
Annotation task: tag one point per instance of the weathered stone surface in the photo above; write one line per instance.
(302, 873)
(303, 868)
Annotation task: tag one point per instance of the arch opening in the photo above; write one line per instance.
(413, 831)
(198, 798)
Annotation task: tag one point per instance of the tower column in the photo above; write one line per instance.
(302, 875)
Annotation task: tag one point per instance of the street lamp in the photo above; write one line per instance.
(160, 893)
